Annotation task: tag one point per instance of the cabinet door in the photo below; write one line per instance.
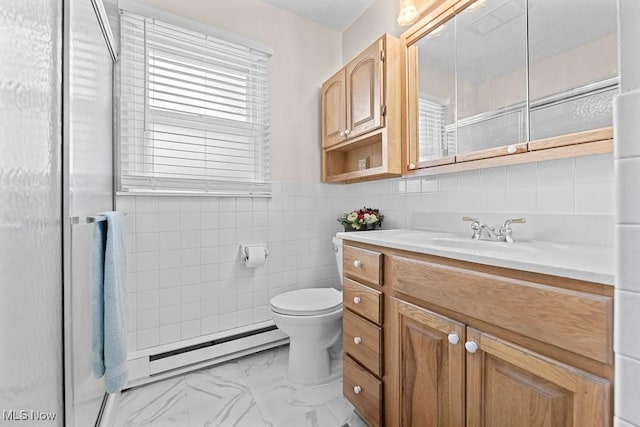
(431, 368)
(510, 386)
(364, 91)
(334, 119)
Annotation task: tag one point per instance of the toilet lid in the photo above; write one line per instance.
(307, 302)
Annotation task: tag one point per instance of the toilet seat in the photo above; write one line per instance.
(307, 302)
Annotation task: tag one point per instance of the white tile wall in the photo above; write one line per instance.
(627, 165)
(583, 185)
(185, 278)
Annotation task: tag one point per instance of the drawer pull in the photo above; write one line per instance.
(471, 346)
(357, 263)
(357, 389)
(453, 338)
(356, 300)
(357, 340)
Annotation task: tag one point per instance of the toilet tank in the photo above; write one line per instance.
(337, 247)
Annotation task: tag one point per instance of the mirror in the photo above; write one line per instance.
(491, 77)
(504, 72)
(436, 89)
(573, 65)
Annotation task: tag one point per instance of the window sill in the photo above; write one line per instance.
(191, 194)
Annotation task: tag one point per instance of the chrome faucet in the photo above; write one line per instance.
(475, 226)
(504, 233)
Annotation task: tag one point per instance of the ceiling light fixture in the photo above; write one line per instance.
(408, 13)
(479, 4)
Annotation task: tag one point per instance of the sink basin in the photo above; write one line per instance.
(480, 245)
(464, 243)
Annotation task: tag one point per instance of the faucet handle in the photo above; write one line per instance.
(514, 221)
(505, 231)
(475, 226)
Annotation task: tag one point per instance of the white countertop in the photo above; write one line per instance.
(582, 262)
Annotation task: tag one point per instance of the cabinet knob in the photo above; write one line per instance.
(357, 263)
(356, 300)
(412, 165)
(511, 149)
(471, 346)
(357, 340)
(342, 133)
(347, 132)
(357, 389)
(453, 338)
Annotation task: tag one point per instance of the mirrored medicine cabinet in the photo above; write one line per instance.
(527, 79)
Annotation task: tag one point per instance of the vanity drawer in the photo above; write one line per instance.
(368, 399)
(365, 301)
(362, 265)
(363, 341)
(576, 321)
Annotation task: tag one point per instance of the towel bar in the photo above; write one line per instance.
(89, 219)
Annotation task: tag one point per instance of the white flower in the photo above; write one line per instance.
(352, 217)
(370, 219)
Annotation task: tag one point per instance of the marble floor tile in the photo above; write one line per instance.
(343, 411)
(319, 416)
(265, 367)
(249, 392)
(219, 397)
(280, 400)
(159, 404)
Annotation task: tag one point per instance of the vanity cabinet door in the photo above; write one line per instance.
(334, 121)
(364, 91)
(510, 386)
(430, 367)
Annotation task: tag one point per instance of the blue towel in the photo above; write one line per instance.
(109, 302)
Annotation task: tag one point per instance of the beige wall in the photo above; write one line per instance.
(305, 54)
(378, 19)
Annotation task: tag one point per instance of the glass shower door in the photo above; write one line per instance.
(88, 126)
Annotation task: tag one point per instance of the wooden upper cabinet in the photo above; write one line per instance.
(362, 116)
(334, 120)
(431, 369)
(510, 386)
(364, 91)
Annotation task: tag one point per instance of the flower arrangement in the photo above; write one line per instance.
(362, 219)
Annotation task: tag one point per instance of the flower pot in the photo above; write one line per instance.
(363, 227)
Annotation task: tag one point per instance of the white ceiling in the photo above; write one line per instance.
(336, 14)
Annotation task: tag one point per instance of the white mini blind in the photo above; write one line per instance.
(194, 111)
(431, 130)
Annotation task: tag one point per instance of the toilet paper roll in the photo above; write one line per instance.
(256, 255)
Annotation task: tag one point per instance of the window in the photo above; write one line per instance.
(194, 111)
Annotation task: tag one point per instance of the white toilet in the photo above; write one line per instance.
(312, 318)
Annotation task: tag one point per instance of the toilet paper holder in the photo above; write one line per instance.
(244, 251)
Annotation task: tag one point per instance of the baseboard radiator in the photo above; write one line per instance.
(164, 362)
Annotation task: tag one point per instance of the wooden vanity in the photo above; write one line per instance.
(433, 341)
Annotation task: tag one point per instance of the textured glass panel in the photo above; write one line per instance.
(572, 59)
(500, 129)
(89, 121)
(589, 111)
(30, 200)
